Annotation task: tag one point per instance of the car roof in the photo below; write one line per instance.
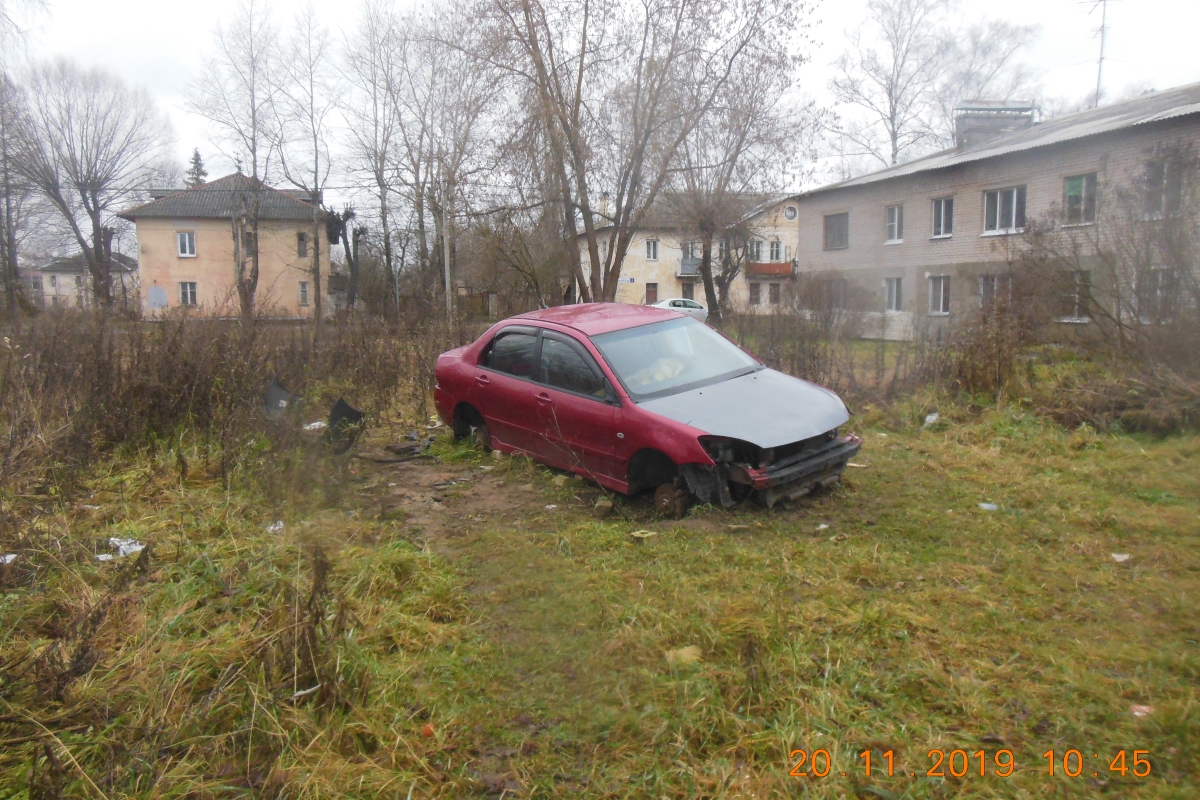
(596, 318)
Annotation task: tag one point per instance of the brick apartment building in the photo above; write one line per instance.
(932, 239)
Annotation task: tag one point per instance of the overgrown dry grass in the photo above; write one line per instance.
(522, 651)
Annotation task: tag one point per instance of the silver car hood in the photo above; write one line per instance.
(766, 408)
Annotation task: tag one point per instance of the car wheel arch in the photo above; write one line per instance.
(650, 468)
(466, 418)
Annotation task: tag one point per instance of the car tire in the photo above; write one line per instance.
(670, 501)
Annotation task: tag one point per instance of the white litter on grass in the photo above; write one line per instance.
(822, 527)
(989, 506)
(931, 419)
(551, 507)
(8, 558)
(316, 426)
(1120, 558)
(126, 547)
(276, 527)
(1141, 711)
(105, 557)
(90, 508)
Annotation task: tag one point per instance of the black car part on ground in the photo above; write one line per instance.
(346, 424)
(278, 401)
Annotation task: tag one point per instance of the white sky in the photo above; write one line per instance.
(159, 44)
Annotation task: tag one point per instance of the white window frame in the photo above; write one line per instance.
(943, 222)
(185, 244)
(894, 216)
(188, 298)
(304, 298)
(790, 213)
(893, 295)
(1009, 195)
(754, 251)
(942, 295)
(652, 249)
(1082, 285)
(994, 285)
(1090, 186)
(776, 250)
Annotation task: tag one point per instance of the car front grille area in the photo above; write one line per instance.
(788, 454)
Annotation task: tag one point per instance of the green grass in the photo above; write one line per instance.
(524, 651)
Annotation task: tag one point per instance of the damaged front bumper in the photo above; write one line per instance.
(789, 478)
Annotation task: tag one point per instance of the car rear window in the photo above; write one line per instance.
(671, 356)
(512, 352)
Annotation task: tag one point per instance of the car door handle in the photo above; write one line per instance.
(544, 399)
(482, 380)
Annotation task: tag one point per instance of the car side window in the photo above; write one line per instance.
(691, 304)
(512, 352)
(678, 304)
(564, 367)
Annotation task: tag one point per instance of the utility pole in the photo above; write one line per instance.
(1103, 37)
(447, 215)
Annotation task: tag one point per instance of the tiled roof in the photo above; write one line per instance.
(219, 200)
(1157, 107)
(77, 263)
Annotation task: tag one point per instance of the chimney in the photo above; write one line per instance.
(977, 122)
(159, 192)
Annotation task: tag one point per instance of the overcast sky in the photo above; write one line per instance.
(160, 44)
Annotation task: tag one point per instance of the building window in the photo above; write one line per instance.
(994, 288)
(1163, 187)
(1079, 199)
(651, 293)
(943, 217)
(776, 250)
(754, 251)
(652, 249)
(774, 293)
(837, 231)
(1157, 290)
(755, 295)
(1075, 297)
(893, 297)
(186, 244)
(303, 293)
(302, 245)
(53, 281)
(789, 213)
(895, 223)
(689, 290)
(1004, 210)
(939, 295)
(78, 281)
(187, 293)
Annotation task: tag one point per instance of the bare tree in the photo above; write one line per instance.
(890, 73)
(89, 145)
(306, 103)
(373, 71)
(742, 150)
(15, 190)
(982, 62)
(618, 88)
(235, 93)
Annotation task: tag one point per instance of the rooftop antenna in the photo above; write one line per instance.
(1103, 6)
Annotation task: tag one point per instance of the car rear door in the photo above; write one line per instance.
(578, 419)
(504, 390)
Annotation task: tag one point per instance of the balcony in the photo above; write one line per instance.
(770, 269)
(689, 268)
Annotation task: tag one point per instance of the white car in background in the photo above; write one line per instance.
(690, 307)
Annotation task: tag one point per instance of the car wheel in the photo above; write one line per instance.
(483, 437)
(670, 501)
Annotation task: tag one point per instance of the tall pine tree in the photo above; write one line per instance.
(196, 172)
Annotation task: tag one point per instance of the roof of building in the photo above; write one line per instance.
(77, 263)
(219, 200)
(669, 211)
(1149, 108)
(592, 319)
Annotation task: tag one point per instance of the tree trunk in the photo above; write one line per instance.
(8, 238)
(710, 292)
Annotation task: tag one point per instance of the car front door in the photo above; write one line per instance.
(576, 408)
(504, 389)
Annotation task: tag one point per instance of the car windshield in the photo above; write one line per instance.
(670, 357)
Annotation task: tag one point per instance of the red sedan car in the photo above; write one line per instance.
(636, 397)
